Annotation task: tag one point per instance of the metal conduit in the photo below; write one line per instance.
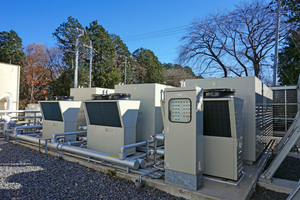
(26, 127)
(160, 137)
(133, 164)
(160, 151)
(67, 133)
(132, 145)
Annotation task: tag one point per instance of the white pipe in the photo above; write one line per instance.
(132, 145)
(9, 104)
(160, 137)
(134, 164)
(5, 118)
(25, 127)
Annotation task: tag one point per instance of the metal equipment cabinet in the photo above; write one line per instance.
(184, 137)
(149, 118)
(111, 125)
(59, 116)
(223, 137)
(258, 111)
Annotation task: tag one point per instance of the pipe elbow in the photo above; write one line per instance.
(5, 118)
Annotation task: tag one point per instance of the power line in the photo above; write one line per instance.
(166, 32)
(155, 32)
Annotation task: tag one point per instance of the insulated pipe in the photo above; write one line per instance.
(123, 148)
(5, 118)
(25, 127)
(160, 137)
(9, 104)
(67, 133)
(134, 164)
(160, 151)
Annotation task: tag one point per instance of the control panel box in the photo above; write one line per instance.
(184, 136)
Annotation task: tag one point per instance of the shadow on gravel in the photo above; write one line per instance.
(289, 168)
(40, 176)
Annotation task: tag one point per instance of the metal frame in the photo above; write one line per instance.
(285, 104)
(293, 136)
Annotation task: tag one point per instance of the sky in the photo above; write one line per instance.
(163, 21)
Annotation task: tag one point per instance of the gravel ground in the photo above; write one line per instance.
(262, 193)
(26, 174)
(289, 170)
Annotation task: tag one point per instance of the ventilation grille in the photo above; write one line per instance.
(103, 113)
(216, 119)
(51, 111)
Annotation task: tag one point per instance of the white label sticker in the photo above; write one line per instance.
(179, 94)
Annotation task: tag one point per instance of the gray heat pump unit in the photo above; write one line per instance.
(258, 110)
(222, 134)
(59, 115)
(111, 123)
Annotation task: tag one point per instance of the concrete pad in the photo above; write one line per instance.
(279, 185)
(210, 189)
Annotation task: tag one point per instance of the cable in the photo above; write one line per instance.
(155, 32)
(166, 32)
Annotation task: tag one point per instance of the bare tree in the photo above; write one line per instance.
(239, 42)
(204, 45)
(173, 76)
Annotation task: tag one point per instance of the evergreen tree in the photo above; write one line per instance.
(11, 50)
(147, 59)
(105, 74)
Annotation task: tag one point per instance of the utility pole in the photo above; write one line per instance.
(125, 70)
(76, 55)
(91, 63)
(276, 44)
(125, 63)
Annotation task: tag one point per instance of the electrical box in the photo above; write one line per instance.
(111, 125)
(10, 86)
(150, 118)
(222, 135)
(184, 137)
(82, 94)
(59, 116)
(258, 110)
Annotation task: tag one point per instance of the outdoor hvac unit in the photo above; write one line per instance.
(59, 115)
(10, 86)
(150, 117)
(258, 112)
(111, 123)
(222, 134)
(82, 94)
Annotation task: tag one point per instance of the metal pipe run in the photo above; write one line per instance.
(134, 164)
(160, 151)
(67, 133)
(123, 148)
(26, 127)
(160, 137)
